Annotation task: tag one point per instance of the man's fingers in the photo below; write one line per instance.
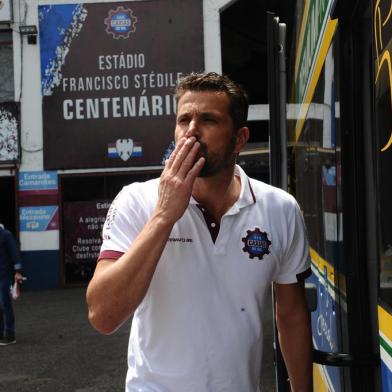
(180, 152)
(189, 161)
(195, 170)
(183, 156)
(173, 155)
(178, 177)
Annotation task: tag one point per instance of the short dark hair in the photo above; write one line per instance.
(214, 82)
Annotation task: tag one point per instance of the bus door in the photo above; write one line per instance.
(325, 172)
(276, 51)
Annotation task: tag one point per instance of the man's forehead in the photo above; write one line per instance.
(204, 101)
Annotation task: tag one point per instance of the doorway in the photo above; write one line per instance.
(85, 200)
(8, 204)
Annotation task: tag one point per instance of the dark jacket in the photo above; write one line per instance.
(10, 260)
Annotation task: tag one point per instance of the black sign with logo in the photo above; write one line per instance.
(108, 73)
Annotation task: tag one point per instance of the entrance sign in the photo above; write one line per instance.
(37, 182)
(38, 199)
(40, 218)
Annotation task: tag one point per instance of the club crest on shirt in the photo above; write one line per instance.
(256, 243)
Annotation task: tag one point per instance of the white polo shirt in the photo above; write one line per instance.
(199, 327)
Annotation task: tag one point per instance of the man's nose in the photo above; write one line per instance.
(192, 130)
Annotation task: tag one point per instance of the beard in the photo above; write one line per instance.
(216, 162)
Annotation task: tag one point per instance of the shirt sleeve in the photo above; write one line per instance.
(295, 264)
(123, 223)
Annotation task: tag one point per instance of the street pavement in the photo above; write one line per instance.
(58, 351)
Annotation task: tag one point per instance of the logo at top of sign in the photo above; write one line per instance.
(120, 22)
(1, 4)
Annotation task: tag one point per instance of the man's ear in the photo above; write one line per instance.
(242, 139)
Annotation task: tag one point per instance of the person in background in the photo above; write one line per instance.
(191, 256)
(10, 271)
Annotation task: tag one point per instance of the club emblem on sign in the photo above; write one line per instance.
(124, 148)
(256, 243)
(120, 22)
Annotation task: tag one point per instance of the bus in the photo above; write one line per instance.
(335, 157)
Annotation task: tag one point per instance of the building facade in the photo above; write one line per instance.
(87, 106)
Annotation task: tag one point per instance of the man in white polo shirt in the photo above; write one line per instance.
(192, 254)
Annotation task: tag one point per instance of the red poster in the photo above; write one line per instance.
(82, 228)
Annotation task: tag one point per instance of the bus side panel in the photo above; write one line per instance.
(385, 325)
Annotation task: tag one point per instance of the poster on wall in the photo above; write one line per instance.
(83, 222)
(9, 132)
(108, 72)
(38, 203)
(38, 218)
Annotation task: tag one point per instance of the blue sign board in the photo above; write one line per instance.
(38, 218)
(38, 180)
